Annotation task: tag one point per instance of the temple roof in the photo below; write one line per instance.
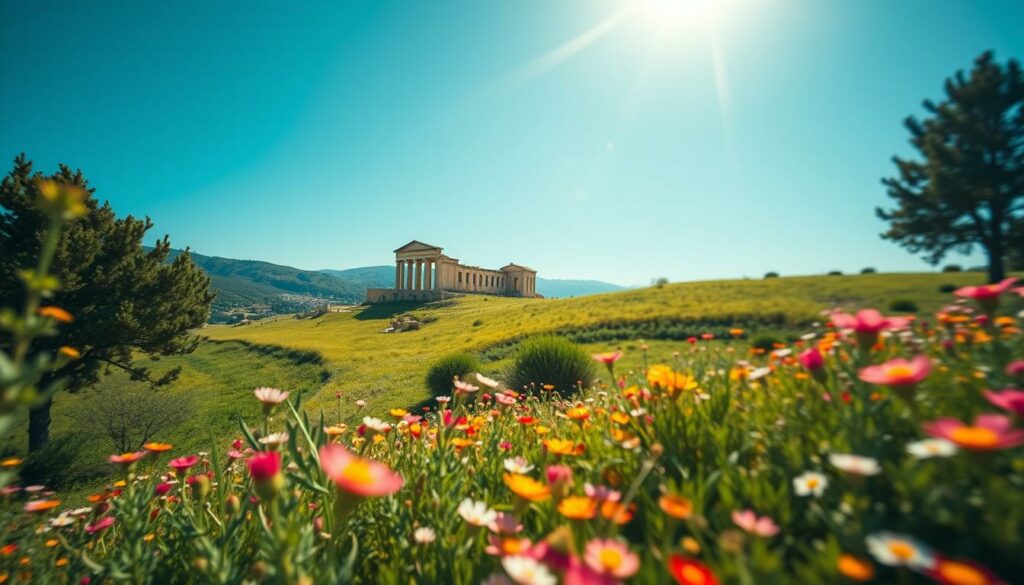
(417, 245)
(510, 267)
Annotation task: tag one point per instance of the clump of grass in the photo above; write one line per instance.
(771, 275)
(551, 360)
(765, 342)
(903, 306)
(445, 369)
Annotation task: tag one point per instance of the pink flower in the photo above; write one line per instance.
(812, 360)
(182, 463)
(898, 372)
(270, 397)
(559, 474)
(990, 432)
(356, 475)
(868, 321)
(505, 523)
(264, 465)
(162, 488)
(1011, 400)
(608, 358)
(127, 458)
(611, 557)
(504, 399)
(748, 521)
(504, 546)
(1016, 369)
(99, 525)
(985, 291)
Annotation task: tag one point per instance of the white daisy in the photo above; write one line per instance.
(758, 374)
(897, 550)
(855, 464)
(527, 571)
(518, 465)
(487, 381)
(810, 482)
(424, 535)
(465, 387)
(376, 425)
(476, 513)
(931, 448)
(275, 439)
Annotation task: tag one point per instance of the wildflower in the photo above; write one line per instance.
(578, 413)
(990, 432)
(527, 571)
(956, 572)
(611, 557)
(749, 521)
(758, 373)
(526, 487)
(577, 508)
(668, 380)
(929, 448)
(64, 519)
(618, 513)
(505, 523)
(69, 352)
(265, 469)
(1010, 400)
(676, 506)
(810, 483)
(854, 568)
(127, 458)
(162, 488)
(356, 475)
(10, 462)
(855, 464)
(897, 550)
(55, 313)
(181, 464)
(987, 296)
(424, 535)
(505, 399)
(690, 572)
(465, 387)
(507, 546)
(154, 447)
(376, 425)
(274, 439)
(562, 446)
(867, 324)
(897, 372)
(487, 381)
(100, 525)
(269, 397)
(41, 505)
(559, 475)
(812, 360)
(608, 358)
(737, 332)
(476, 513)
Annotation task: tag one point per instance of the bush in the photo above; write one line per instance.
(765, 342)
(947, 288)
(132, 416)
(835, 273)
(551, 360)
(478, 322)
(868, 270)
(660, 282)
(771, 275)
(903, 306)
(442, 372)
(952, 268)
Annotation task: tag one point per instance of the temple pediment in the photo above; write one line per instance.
(418, 246)
(513, 267)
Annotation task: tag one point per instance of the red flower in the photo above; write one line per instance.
(100, 525)
(690, 572)
(183, 463)
(265, 465)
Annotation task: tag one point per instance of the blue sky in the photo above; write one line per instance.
(599, 139)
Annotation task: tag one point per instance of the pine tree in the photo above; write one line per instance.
(126, 300)
(969, 188)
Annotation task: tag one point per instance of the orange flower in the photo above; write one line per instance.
(617, 512)
(579, 413)
(668, 380)
(690, 572)
(154, 447)
(526, 487)
(620, 417)
(41, 505)
(55, 313)
(70, 352)
(855, 568)
(736, 332)
(563, 447)
(10, 462)
(461, 443)
(676, 506)
(399, 413)
(127, 458)
(578, 508)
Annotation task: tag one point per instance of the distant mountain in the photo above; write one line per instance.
(253, 287)
(562, 288)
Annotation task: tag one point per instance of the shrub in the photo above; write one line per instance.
(660, 282)
(132, 416)
(442, 372)
(771, 275)
(835, 273)
(952, 268)
(765, 342)
(478, 322)
(551, 360)
(903, 306)
(868, 270)
(947, 288)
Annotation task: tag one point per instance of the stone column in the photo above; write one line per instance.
(438, 274)
(408, 274)
(398, 274)
(427, 270)
(417, 280)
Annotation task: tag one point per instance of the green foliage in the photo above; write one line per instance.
(771, 275)
(835, 273)
(127, 300)
(551, 360)
(660, 282)
(765, 342)
(903, 306)
(952, 268)
(947, 288)
(965, 190)
(868, 270)
(445, 369)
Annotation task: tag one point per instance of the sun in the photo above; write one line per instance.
(670, 16)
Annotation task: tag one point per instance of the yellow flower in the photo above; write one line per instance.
(399, 412)
(563, 447)
(691, 545)
(541, 430)
(668, 380)
(577, 508)
(620, 417)
(526, 487)
(461, 442)
(579, 413)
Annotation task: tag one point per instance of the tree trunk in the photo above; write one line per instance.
(39, 426)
